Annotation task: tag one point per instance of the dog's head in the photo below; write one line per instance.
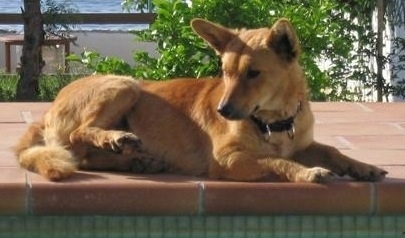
(260, 69)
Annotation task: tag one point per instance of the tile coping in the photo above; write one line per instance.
(372, 132)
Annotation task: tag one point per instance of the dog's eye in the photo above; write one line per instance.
(252, 73)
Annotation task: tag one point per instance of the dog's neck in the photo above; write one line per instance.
(286, 125)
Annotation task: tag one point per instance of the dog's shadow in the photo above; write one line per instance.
(103, 176)
(165, 178)
(83, 176)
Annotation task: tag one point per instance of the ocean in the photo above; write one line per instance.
(83, 6)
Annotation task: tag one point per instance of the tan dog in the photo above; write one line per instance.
(252, 124)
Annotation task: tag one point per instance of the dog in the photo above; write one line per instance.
(253, 123)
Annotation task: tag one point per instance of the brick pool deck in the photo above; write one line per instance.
(371, 132)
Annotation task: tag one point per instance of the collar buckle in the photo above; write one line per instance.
(291, 132)
(268, 129)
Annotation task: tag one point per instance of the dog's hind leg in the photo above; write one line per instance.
(105, 116)
(136, 162)
(85, 113)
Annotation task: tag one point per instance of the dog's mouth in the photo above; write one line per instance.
(255, 109)
(271, 116)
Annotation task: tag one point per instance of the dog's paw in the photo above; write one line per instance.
(366, 172)
(125, 143)
(314, 175)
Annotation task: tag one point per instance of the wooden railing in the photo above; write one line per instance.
(89, 18)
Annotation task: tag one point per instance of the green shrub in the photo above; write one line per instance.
(8, 87)
(103, 65)
(336, 32)
(49, 86)
(324, 28)
(320, 24)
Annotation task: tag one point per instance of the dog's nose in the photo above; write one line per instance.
(226, 110)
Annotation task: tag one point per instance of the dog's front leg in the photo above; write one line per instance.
(240, 166)
(330, 158)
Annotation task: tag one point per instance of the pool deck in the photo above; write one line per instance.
(371, 132)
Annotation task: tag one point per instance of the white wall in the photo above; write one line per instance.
(119, 44)
(399, 31)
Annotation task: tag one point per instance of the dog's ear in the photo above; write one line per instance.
(284, 41)
(215, 35)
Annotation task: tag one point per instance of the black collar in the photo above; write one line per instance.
(286, 125)
(277, 126)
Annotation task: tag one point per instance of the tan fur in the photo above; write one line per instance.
(197, 127)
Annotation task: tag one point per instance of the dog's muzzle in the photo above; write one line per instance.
(229, 112)
(225, 110)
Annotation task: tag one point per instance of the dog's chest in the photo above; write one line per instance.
(278, 144)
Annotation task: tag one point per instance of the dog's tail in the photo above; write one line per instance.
(46, 157)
